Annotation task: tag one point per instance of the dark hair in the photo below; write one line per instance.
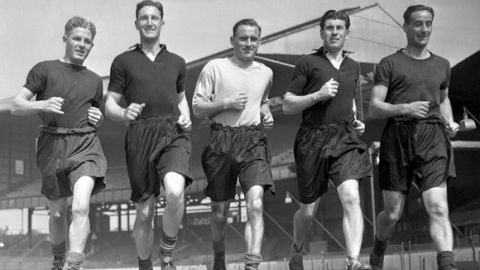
(250, 22)
(145, 3)
(333, 14)
(77, 21)
(412, 9)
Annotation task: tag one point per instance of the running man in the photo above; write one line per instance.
(69, 154)
(233, 93)
(411, 91)
(327, 146)
(150, 79)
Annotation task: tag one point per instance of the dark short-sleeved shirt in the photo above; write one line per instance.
(155, 83)
(80, 87)
(409, 79)
(311, 73)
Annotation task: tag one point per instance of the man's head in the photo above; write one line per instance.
(149, 20)
(151, 3)
(78, 39)
(417, 25)
(246, 39)
(334, 29)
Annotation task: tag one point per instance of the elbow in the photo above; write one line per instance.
(373, 111)
(287, 108)
(14, 108)
(197, 112)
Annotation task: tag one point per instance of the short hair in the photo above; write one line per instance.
(76, 22)
(250, 22)
(334, 14)
(411, 9)
(145, 3)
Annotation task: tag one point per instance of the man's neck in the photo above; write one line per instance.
(241, 63)
(335, 55)
(417, 52)
(150, 49)
(69, 61)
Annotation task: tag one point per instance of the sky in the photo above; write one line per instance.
(31, 31)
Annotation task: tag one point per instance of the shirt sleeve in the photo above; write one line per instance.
(182, 77)
(99, 94)
(300, 77)
(446, 83)
(37, 79)
(118, 78)
(266, 94)
(383, 73)
(204, 89)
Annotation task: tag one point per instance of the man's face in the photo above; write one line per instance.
(78, 45)
(419, 28)
(149, 23)
(245, 42)
(334, 34)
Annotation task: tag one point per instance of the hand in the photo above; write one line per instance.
(452, 129)
(236, 102)
(185, 123)
(267, 121)
(359, 127)
(417, 109)
(327, 91)
(53, 105)
(94, 116)
(133, 111)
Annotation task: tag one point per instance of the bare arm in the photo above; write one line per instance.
(205, 109)
(293, 103)
(381, 109)
(184, 120)
(23, 105)
(446, 113)
(115, 112)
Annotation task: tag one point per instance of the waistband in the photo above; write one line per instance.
(408, 119)
(346, 123)
(220, 127)
(167, 118)
(67, 131)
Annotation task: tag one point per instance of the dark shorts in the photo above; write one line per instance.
(154, 147)
(64, 155)
(326, 152)
(415, 150)
(236, 152)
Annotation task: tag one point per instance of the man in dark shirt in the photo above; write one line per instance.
(69, 155)
(151, 81)
(327, 144)
(411, 91)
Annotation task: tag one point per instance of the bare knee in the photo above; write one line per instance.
(438, 210)
(80, 209)
(58, 215)
(392, 214)
(255, 206)
(306, 213)
(144, 216)
(350, 199)
(175, 200)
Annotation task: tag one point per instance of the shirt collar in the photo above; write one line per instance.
(139, 46)
(345, 53)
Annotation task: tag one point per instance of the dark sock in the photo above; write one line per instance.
(445, 260)
(75, 260)
(379, 246)
(252, 260)
(219, 246)
(58, 251)
(167, 245)
(145, 264)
